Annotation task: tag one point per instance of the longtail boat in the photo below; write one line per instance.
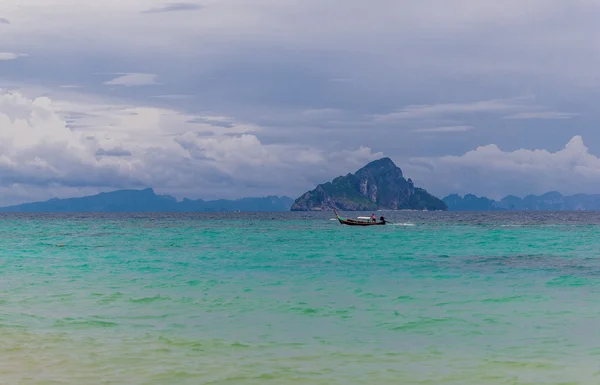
(352, 222)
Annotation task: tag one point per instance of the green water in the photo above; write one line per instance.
(291, 299)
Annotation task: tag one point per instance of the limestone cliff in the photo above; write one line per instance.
(378, 185)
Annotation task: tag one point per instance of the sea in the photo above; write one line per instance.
(296, 298)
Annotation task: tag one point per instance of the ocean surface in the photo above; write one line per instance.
(295, 298)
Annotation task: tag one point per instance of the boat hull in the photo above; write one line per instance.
(348, 222)
(352, 222)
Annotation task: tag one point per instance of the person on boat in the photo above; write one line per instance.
(373, 219)
(382, 219)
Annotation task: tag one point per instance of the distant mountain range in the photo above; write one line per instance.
(552, 201)
(147, 201)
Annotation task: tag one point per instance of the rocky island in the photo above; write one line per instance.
(378, 185)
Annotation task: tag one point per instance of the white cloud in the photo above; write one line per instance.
(76, 145)
(445, 129)
(175, 7)
(134, 79)
(10, 55)
(173, 96)
(437, 110)
(38, 148)
(542, 115)
(326, 77)
(488, 170)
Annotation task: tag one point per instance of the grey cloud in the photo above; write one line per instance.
(175, 7)
(118, 152)
(435, 110)
(4, 20)
(133, 79)
(542, 115)
(194, 150)
(72, 172)
(76, 127)
(212, 122)
(11, 56)
(173, 97)
(445, 129)
(73, 116)
(330, 84)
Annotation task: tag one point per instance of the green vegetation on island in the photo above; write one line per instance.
(378, 185)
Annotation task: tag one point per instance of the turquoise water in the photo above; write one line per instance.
(299, 299)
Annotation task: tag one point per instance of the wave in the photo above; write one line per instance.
(84, 323)
(150, 299)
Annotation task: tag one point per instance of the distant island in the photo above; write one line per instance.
(378, 185)
(147, 200)
(552, 201)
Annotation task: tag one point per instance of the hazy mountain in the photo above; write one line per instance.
(470, 202)
(551, 201)
(147, 201)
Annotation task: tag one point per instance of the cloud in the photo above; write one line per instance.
(37, 148)
(117, 151)
(445, 129)
(175, 7)
(4, 20)
(422, 36)
(134, 79)
(542, 115)
(488, 170)
(10, 56)
(173, 96)
(126, 146)
(213, 121)
(296, 77)
(436, 110)
(429, 35)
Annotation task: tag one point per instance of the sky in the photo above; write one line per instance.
(233, 98)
